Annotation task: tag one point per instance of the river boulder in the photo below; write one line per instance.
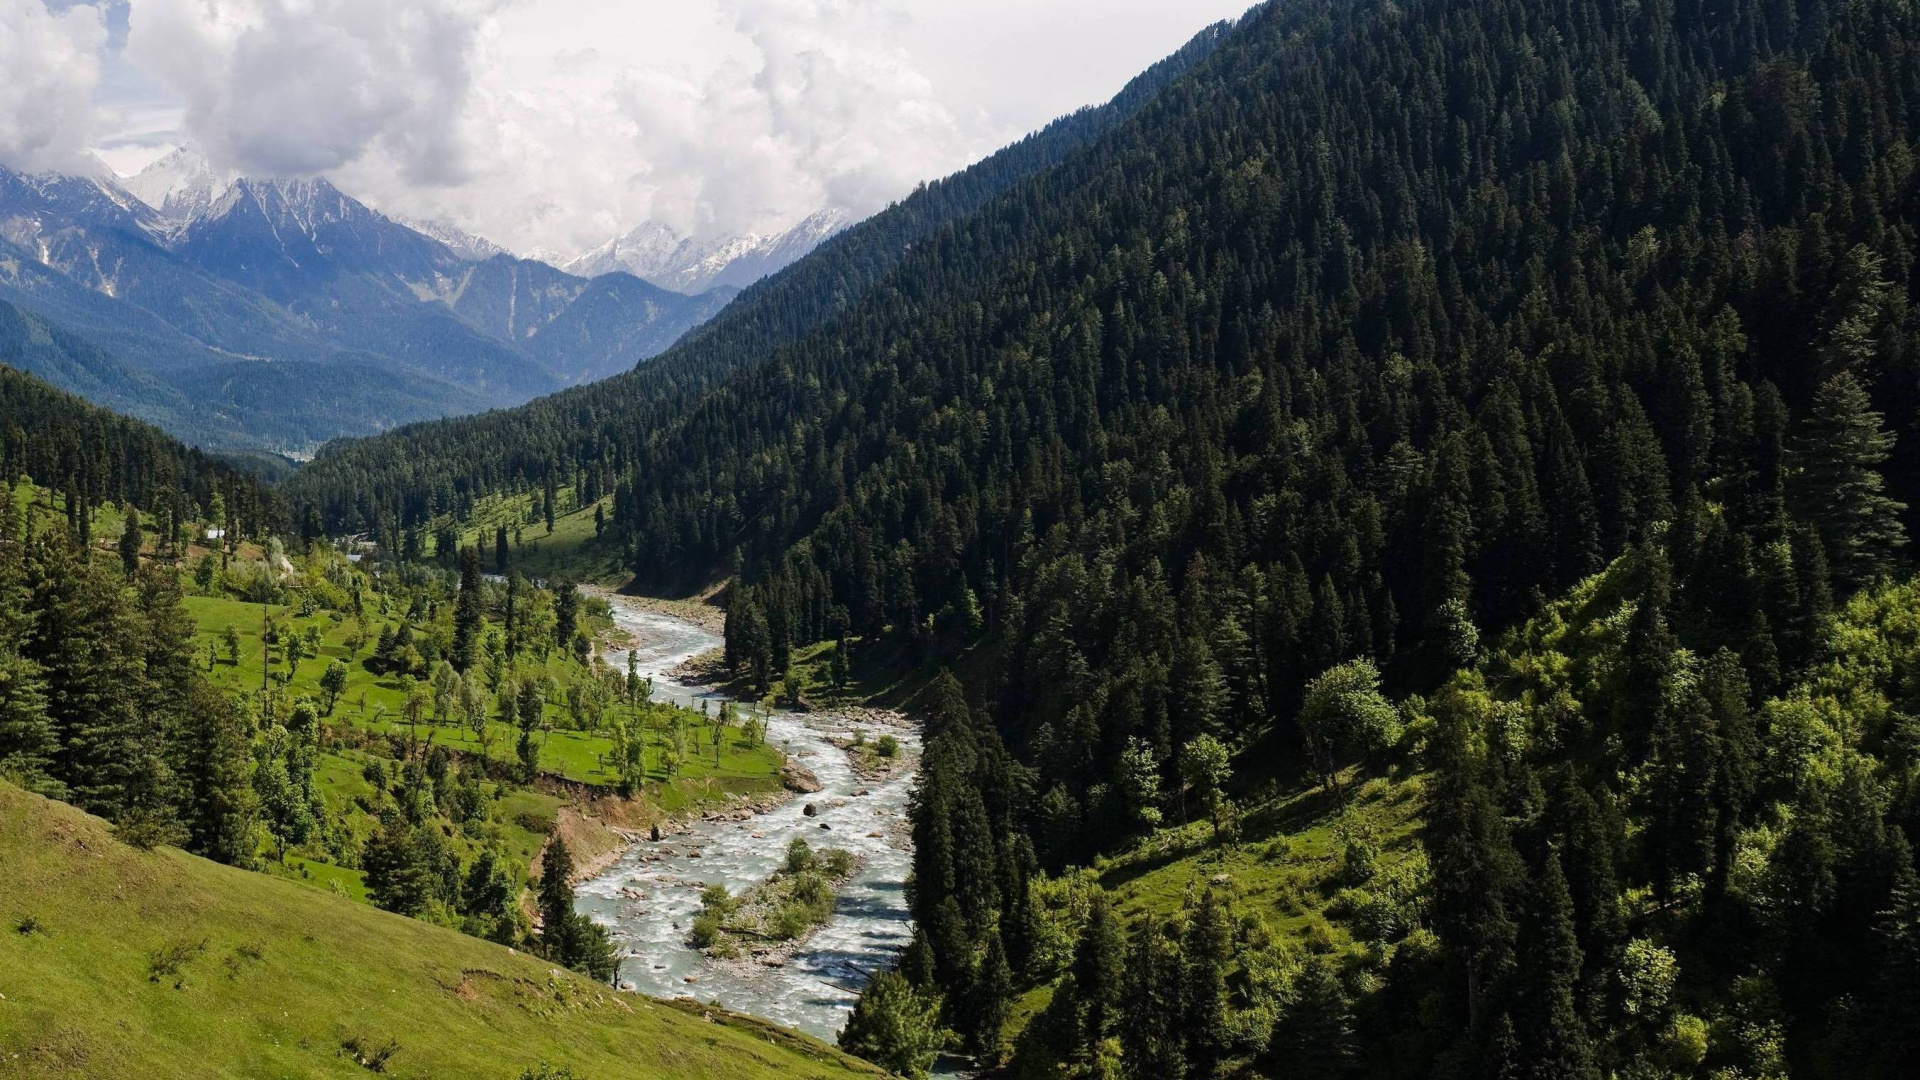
(796, 777)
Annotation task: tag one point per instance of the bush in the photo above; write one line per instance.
(167, 961)
(839, 862)
(887, 746)
(799, 856)
(370, 1055)
(788, 923)
(706, 931)
(716, 899)
(812, 891)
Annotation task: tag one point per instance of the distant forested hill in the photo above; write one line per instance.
(95, 456)
(1345, 350)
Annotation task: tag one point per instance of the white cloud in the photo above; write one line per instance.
(561, 123)
(51, 63)
(831, 110)
(300, 87)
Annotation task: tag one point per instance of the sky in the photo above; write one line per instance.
(553, 125)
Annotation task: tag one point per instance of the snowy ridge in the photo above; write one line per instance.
(655, 253)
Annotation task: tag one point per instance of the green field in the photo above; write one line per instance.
(569, 550)
(121, 963)
(376, 703)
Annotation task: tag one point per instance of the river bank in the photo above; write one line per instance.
(649, 894)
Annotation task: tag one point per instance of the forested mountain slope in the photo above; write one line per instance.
(428, 469)
(94, 456)
(1373, 330)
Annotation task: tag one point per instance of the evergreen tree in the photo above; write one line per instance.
(1313, 1037)
(1553, 1043)
(1897, 928)
(895, 1026)
(1099, 972)
(992, 994)
(1838, 486)
(1152, 1022)
(130, 543)
(1208, 954)
(467, 612)
(566, 612)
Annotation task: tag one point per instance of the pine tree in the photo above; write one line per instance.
(1099, 972)
(566, 612)
(214, 763)
(1897, 930)
(27, 740)
(1837, 483)
(895, 1026)
(1151, 1032)
(500, 557)
(467, 611)
(992, 993)
(1313, 1037)
(1554, 1043)
(130, 543)
(1209, 953)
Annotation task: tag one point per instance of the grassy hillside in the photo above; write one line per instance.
(376, 703)
(117, 962)
(1304, 875)
(572, 549)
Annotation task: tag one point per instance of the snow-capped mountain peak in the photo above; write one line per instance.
(655, 253)
(182, 185)
(461, 242)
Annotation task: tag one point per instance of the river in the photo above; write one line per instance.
(647, 900)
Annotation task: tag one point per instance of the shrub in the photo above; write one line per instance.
(167, 961)
(799, 856)
(706, 931)
(887, 746)
(788, 923)
(716, 899)
(370, 1056)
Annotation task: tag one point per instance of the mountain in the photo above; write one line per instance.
(354, 322)
(181, 186)
(1485, 430)
(581, 328)
(657, 254)
(462, 243)
(478, 453)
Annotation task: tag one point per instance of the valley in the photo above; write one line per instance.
(1384, 549)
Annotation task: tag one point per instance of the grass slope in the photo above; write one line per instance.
(376, 703)
(159, 964)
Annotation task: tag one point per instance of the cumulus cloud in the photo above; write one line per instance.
(833, 112)
(557, 124)
(301, 87)
(51, 63)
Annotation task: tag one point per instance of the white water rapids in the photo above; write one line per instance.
(648, 905)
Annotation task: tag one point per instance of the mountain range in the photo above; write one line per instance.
(240, 312)
(656, 253)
